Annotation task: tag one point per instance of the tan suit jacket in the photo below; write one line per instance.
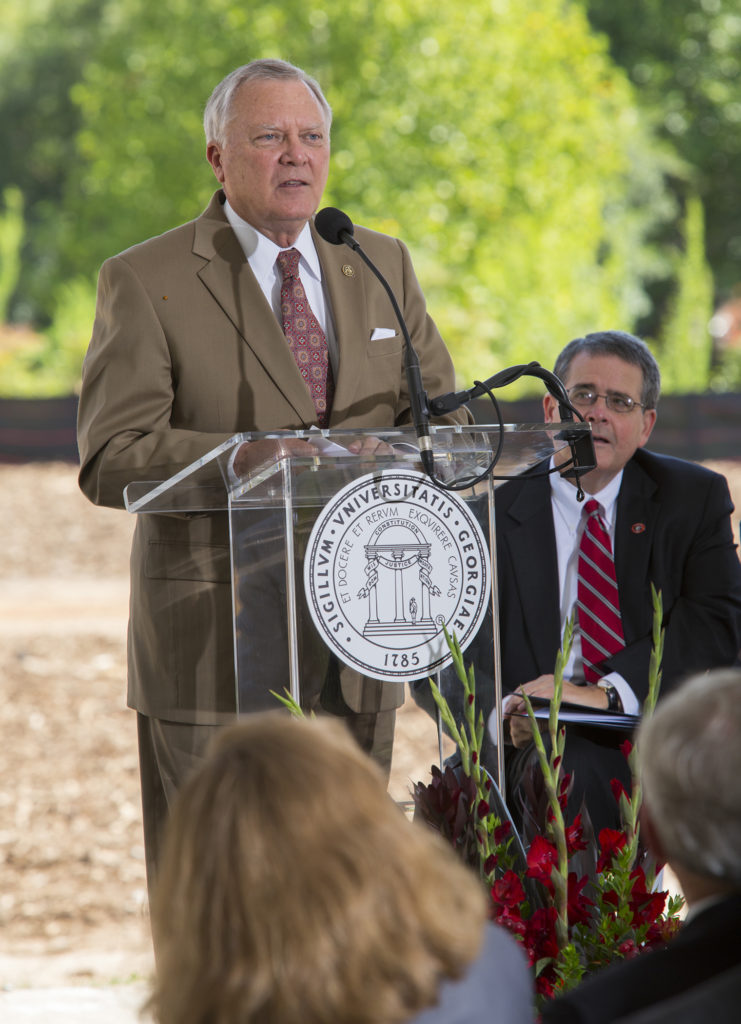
(186, 352)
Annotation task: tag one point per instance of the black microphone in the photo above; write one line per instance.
(335, 227)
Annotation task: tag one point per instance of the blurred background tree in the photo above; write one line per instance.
(43, 47)
(684, 58)
(11, 238)
(685, 343)
(514, 146)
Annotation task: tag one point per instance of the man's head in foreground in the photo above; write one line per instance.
(690, 758)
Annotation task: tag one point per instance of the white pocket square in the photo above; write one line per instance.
(382, 332)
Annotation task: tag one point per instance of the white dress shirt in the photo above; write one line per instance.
(261, 254)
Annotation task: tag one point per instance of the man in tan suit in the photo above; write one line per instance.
(187, 349)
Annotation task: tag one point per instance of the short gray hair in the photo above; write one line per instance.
(690, 756)
(216, 115)
(623, 345)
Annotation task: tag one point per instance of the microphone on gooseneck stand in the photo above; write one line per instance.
(581, 444)
(335, 227)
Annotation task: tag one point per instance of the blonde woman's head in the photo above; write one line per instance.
(292, 888)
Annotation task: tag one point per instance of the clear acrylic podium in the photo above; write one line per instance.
(272, 511)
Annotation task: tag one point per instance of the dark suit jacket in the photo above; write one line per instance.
(673, 529)
(716, 1000)
(187, 352)
(707, 947)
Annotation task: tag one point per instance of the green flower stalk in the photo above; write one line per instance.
(630, 809)
(569, 925)
(550, 767)
(469, 739)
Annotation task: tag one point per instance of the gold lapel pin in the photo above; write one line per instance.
(347, 270)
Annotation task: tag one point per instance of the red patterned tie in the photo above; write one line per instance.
(305, 337)
(600, 626)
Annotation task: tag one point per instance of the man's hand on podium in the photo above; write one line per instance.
(370, 446)
(255, 453)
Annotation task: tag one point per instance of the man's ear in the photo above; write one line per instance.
(550, 409)
(213, 155)
(649, 419)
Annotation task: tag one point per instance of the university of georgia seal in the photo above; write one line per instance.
(390, 560)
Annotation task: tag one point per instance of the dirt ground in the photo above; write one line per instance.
(73, 904)
(72, 877)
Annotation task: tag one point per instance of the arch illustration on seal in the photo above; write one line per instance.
(391, 559)
(398, 555)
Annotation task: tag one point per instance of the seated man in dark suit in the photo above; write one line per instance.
(690, 758)
(646, 519)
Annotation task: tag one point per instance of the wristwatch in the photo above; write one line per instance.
(613, 697)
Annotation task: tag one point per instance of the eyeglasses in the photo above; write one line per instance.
(585, 398)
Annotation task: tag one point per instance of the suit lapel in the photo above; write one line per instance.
(635, 525)
(345, 284)
(227, 276)
(526, 529)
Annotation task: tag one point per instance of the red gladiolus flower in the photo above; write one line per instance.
(575, 836)
(563, 792)
(508, 889)
(541, 859)
(628, 949)
(662, 931)
(638, 878)
(647, 907)
(610, 842)
(610, 897)
(511, 919)
(544, 983)
(578, 905)
(618, 790)
(626, 746)
(540, 934)
(483, 809)
(502, 832)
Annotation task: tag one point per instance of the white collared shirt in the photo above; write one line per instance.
(569, 524)
(261, 253)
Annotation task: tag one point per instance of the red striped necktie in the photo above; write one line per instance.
(305, 337)
(598, 601)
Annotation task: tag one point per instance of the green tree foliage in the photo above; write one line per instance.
(684, 57)
(43, 45)
(685, 338)
(49, 363)
(11, 237)
(498, 139)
